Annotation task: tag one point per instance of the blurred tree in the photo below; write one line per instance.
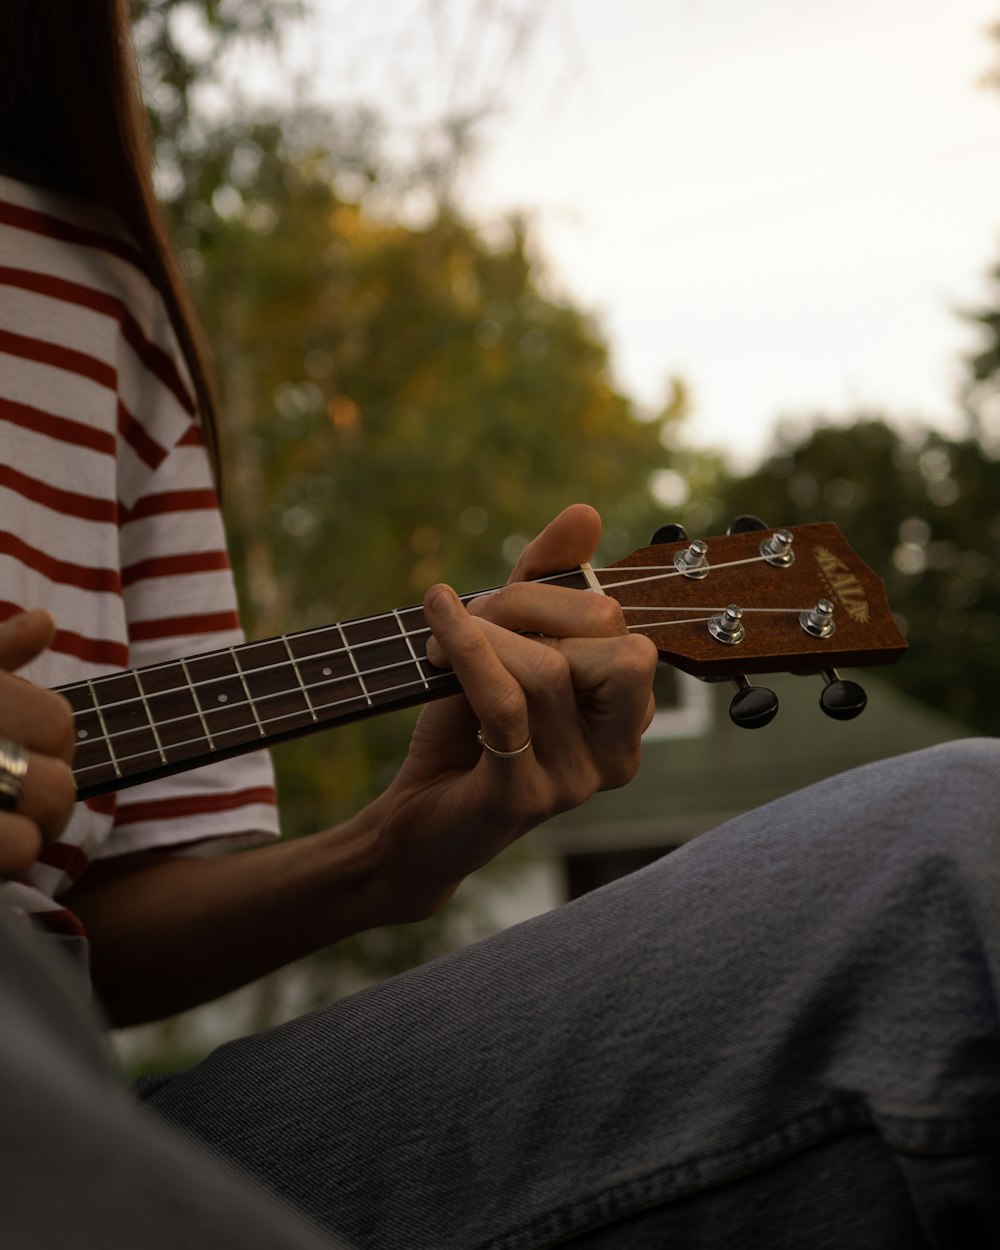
(440, 70)
(408, 395)
(921, 509)
(401, 403)
(981, 394)
(180, 45)
(924, 511)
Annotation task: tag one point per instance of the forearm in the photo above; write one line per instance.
(169, 932)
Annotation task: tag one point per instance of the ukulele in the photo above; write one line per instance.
(751, 601)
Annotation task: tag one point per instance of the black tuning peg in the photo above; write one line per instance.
(843, 700)
(746, 524)
(752, 707)
(669, 534)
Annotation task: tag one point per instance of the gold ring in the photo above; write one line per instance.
(501, 755)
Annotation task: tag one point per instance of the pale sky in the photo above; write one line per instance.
(783, 201)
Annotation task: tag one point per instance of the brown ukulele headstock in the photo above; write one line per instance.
(797, 599)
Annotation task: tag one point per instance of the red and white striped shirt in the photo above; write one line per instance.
(108, 517)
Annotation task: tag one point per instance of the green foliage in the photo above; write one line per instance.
(402, 401)
(982, 391)
(403, 405)
(179, 43)
(985, 364)
(924, 511)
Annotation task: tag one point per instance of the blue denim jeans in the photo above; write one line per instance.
(78, 1165)
(784, 1035)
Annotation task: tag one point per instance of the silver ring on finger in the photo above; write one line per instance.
(501, 755)
(13, 766)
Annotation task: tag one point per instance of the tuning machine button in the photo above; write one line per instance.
(843, 700)
(669, 534)
(693, 560)
(818, 621)
(747, 523)
(752, 707)
(728, 626)
(777, 549)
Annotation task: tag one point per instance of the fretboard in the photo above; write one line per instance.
(143, 723)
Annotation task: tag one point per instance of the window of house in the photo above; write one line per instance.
(584, 872)
(683, 709)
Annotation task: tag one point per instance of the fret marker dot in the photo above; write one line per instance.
(223, 698)
(327, 672)
(81, 733)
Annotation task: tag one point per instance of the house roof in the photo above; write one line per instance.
(690, 783)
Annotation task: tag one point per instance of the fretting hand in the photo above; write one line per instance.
(35, 807)
(563, 714)
(170, 931)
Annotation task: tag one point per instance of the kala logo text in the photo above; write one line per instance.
(843, 585)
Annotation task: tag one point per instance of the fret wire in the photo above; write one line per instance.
(104, 729)
(305, 633)
(246, 690)
(277, 694)
(334, 653)
(440, 678)
(149, 715)
(409, 643)
(198, 708)
(349, 648)
(302, 685)
(354, 665)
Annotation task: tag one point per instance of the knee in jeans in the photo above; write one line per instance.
(950, 794)
(968, 768)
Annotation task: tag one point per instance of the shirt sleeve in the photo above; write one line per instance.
(109, 518)
(180, 600)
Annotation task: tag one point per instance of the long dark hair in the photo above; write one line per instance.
(72, 117)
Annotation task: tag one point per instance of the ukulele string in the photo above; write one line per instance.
(404, 635)
(301, 714)
(697, 620)
(349, 648)
(136, 701)
(668, 573)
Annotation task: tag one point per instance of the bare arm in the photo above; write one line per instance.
(170, 932)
